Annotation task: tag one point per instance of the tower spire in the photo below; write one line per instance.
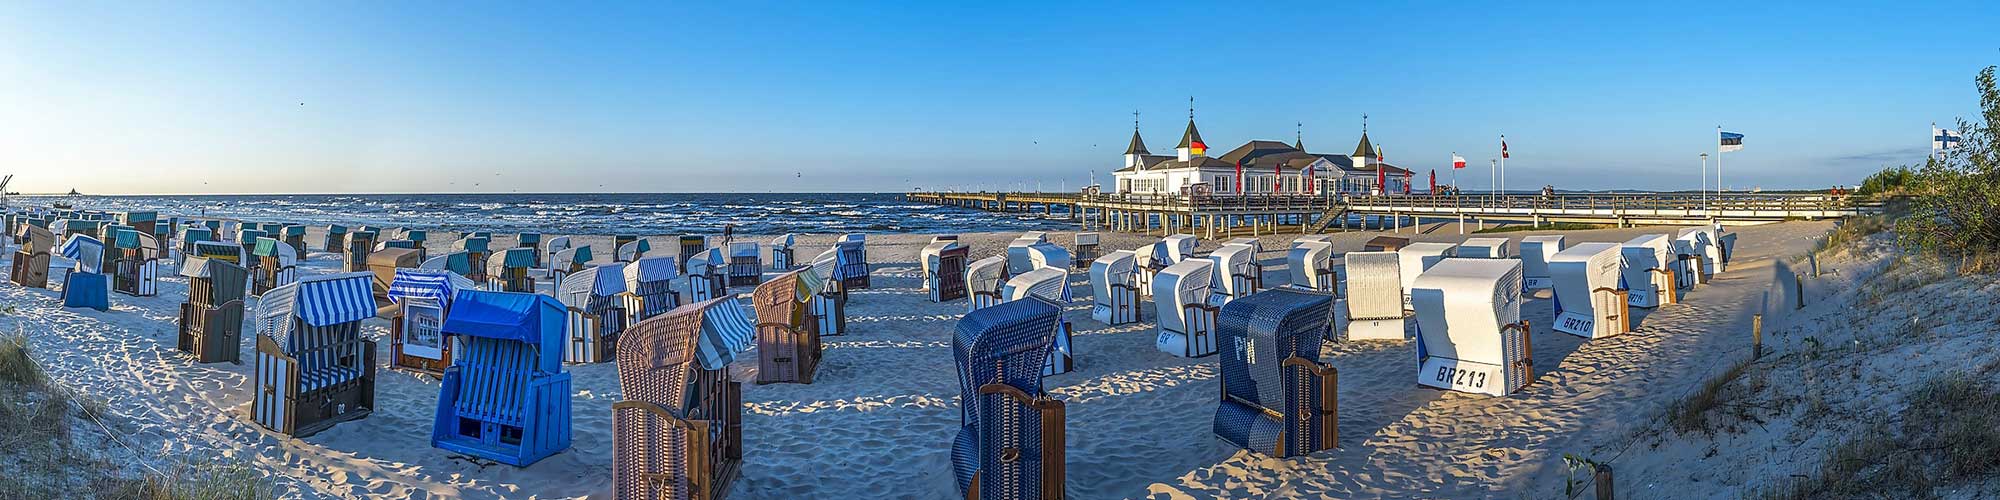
(1299, 136)
(1138, 147)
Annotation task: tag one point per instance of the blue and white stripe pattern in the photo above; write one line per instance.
(577, 289)
(725, 331)
(87, 251)
(432, 285)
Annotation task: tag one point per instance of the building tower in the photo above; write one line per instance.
(1135, 153)
(1191, 145)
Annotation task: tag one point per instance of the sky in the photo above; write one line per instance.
(401, 97)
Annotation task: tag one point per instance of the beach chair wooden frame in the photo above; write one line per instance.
(691, 245)
(1298, 403)
(853, 262)
(359, 245)
(950, 275)
(788, 346)
(135, 270)
(1012, 439)
(505, 399)
(1086, 250)
(211, 320)
(30, 269)
(679, 432)
(746, 266)
(327, 377)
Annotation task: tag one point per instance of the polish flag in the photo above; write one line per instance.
(1457, 161)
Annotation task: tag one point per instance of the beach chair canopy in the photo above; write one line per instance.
(1483, 248)
(267, 247)
(529, 318)
(87, 251)
(124, 238)
(1085, 239)
(198, 267)
(436, 286)
(650, 270)
(458, 262)
(417, 235)
(1178, 286)
(1112, 268)
(129, 218)
(394, 257)
(1048, 283)
(632, 249)
(784, 241)
(510, 258)
(528, 239)
(220, 249)
(707, 261)
(36, 239)
(294, 230)
(197, 233)
(744, 249)
(983, 275)
(578, 288)
(1180, 246)
(720, 330)
(473, 244)
(336, 229)
(316, 300)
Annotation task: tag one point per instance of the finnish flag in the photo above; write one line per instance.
(1942, 139)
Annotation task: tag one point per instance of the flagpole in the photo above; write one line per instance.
(1503, 164)
(1934, 141)
(1718, 162)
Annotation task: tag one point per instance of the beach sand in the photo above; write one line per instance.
(879, 418)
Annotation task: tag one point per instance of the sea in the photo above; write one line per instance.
(585, 214)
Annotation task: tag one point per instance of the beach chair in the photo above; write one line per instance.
(691, 245)
(853, 262)
(782, 257)
(1114, 291)
(1470, 336)
(628, 248)
(568, 261)
(547, 253)
(384, 263)
(1018, 260)
(1708, 254)
(1086, 250)
(532, 242)
(135, 263)
(1147, 261)
(1687, 259)
(1309, 266)
(1181, 247)
(476, 249)
(277, 265)
(294, 235)
(1277, 398)
(247, 238)
(788, 347)
(985, 278)
(707, 276)
(457, 261)
(596, 313)
(211, 321)
(1725, 245)
(829, 303)
(1010, 442)
(86, 290)
(927, 262)
(360, 243)
(1237, 273)
(1375, 296)
(188, 238)
(649, 288)
(1416, 257)
(1256, 244)
(746, 264)
(1646, 271)
(1535, 254)
(313, 367)
(30, 265)
(144, 222)
(1181, 307)
(507, 270)
(423, 297)
(506, 397)
(1050, 284)
(1484, 248)
(335, 239)
(1384, 244)
(678, 434)
(1589, 302)
(85, 253)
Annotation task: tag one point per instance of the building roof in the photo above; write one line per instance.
(1190, 136)
(1364, 149)
(1146, 162)
(1138, 147)
(1249, 152)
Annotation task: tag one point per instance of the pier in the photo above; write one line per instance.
(1225, 215)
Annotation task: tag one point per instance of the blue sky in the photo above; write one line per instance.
(170, 97)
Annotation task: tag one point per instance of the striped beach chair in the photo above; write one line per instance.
(596, 314)
(384, 263)
(417, 341)
(211, 321)
(649, 288)
(788, 347)
(1114, 289)
(829, 300)
(853, 263)
(30, 265)
(1010, 442)
(277, 265)
(746, 264)
(313, 368)
(507, 271)
(782, 256)
(1277, 398)
(1374, 296)
(505, 397)
(679, 432)
(135, 263)
(1181, 305)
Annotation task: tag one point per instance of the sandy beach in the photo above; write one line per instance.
(878, 420)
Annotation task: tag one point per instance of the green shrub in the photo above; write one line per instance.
(1955, 210)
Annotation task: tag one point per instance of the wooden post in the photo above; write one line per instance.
(1799, 289)
(1756, 336)
(1604, 483)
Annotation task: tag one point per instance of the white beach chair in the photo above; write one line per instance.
(1483, 248)
(1309, 265)
(1694, 246)
(1181, 247)
(985, 278)
(1647, 271)
(1535, 254)
(1470, 337)
(1589, 303)
(1711, 249)
(1086, 249)
(1416, 257)
(1114, 289)
(1180, 301)
(746, 263)
(1018, 261)
(1047, 255)
(1051, 284)
(829, 302)
(781, 253)
(549, 250)
(1255, 244)
(707, 276)
(927, 260)
(1147, 261)
(1237, 273)
(1375, 296)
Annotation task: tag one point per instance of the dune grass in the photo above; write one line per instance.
(1949, 433)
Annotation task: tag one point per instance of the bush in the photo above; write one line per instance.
(1955, 210)
(1890, 181)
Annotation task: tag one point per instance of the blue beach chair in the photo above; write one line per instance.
(1277, 399)
(1011, 443)
(505, 396)
(853, 262)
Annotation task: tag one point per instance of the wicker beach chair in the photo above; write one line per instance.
(1375, 296)
(335, 239)
(1011, 439)
(1180, 247)
(1309, 265)
(1277, 398)
(533, 243)
(1147, 261)
(782, 256)
(277, 265)
(1182, 309)
(30, 265)
(417, 340)
(649, 288)
(384, 263)
(1237, 273)
(1086, 249)
(1589, 302)
(457, 261)
(507, 270)
(189, 236)
(707, 276)
(313, 368)
(985, 278)
(788, 346)
(294, 235)
(691, 245)
(678, 434)
(144, 222)
(568, 261)
(829, 302)
(546, 255)
(1535, 254)
(853, 262)
(1470, 336)
(596, 313)
(746, 264)
(1018, 259)
(1256, 244)
(505, 397)
(944, 277)
(1050, 284)
(135, 263)
(1114, 290)
(360, 243)
(211, 321)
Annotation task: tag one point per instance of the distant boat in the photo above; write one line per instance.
(72, 192)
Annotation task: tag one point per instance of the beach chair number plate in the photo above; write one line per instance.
(1576, 324)
(1539, 283)
(1641, 298)
(1463, 376)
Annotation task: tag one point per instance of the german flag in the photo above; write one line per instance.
(1197, 148)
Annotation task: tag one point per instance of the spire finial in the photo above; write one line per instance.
(1299, 131)
(1364, 124)
(1191, 109)
(1135, 120)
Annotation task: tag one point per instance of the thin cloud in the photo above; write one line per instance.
(1888, 156)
